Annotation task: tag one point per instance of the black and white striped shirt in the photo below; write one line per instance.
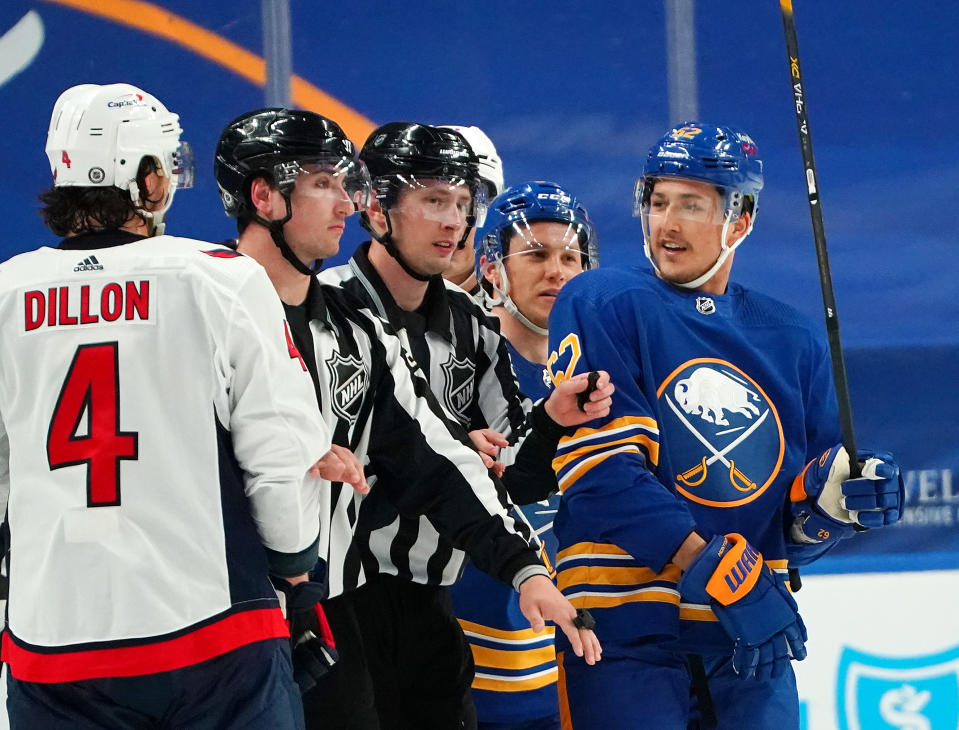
(379, 405)
(461, 349)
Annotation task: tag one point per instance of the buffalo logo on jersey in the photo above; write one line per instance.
(458, 387)
(920, 692)
(723, 434)
(348, 381)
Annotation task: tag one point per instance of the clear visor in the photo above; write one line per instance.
(451, 200)
(180, 165)
(345, 180)
(571, 245)
(701, 205)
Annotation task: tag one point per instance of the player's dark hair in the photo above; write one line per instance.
(75, 209)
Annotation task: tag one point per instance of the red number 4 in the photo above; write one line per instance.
(92, 386)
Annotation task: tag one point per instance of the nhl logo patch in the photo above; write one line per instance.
(348, 381)
(705, 305)
(458, 387)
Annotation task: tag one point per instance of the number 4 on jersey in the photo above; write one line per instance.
(92, 387)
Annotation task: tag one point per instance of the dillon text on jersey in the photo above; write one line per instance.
(92, 303)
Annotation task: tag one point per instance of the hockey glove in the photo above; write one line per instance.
(311, 639)
(828, 506)
(751, 603)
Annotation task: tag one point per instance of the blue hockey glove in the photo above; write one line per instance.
(751, 603)
(311, 639)
(828, 506)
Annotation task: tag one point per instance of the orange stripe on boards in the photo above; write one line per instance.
(157, 21)
(565, 719)
(512, 658)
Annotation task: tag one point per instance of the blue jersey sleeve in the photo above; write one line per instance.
(605, 468)
(822, 433)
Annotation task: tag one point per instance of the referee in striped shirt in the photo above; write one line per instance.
(428, 194)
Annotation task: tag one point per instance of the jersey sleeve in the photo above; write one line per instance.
(276, 428)
(428, 466)
(822, 433)
(604, 468)
(532, 434)
(4, 468)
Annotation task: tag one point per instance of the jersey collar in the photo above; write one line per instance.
(98, 239)
(435, 308)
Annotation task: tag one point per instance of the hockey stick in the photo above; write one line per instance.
(822, 256)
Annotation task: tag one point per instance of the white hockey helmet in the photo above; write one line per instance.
(98, 135)
(491, 167)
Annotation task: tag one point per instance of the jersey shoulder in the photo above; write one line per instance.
(759, 310)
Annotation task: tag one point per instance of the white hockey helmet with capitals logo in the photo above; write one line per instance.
(99, 134)
(490, 165)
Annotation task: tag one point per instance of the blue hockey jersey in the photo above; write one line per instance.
(720, 402)
(515, 676)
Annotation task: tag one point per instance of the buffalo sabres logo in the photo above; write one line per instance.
(705, 305)
(348, 380)
(458, 387)
(725, 439)
(910, 693)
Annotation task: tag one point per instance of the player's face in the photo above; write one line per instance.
(320, 207)
(685, 226)
(463, 261)
(550, 257)
(428, 221)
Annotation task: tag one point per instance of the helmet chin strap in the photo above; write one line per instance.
(703, 278)
(386, 240)
(510, 306)
(275, 227)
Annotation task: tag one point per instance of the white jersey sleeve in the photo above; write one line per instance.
(273, 419)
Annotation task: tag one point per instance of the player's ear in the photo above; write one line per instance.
(490, 273)
(261, 197)
(738, 229)
(376, 217)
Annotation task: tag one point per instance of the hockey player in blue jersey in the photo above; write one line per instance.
(536, 237)
(716, 468)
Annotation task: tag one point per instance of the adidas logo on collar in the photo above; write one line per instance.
(89, 264)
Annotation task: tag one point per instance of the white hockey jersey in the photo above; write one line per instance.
(156, 428)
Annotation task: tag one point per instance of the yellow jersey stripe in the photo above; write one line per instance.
(518, 684)
(613, 575)
(586, 464)
(588, 599)
(520, 636)
(617, 425)
(564, 460)
(512, 659)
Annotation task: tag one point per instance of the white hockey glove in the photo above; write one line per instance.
(828, 506)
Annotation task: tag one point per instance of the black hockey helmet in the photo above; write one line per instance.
(401, 155)
(261, 141)
(398, 151)
(279, 144)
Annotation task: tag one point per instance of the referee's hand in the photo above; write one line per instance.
(541, 601)
(339, 464)
(568, 408)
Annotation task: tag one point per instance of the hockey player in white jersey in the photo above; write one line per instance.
(157, 430)
(462, 268)
(291, 178)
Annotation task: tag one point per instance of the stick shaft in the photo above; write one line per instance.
(819, 235)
